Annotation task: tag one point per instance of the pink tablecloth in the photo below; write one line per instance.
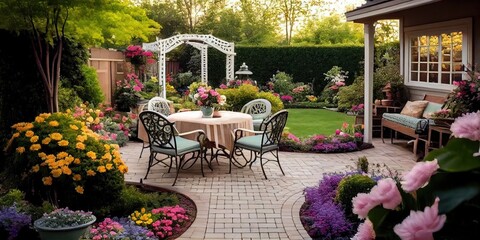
(218, 130)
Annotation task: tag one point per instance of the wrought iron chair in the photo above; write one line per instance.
(266, 140)
(160, 105)
(259, 109)
(165, 139)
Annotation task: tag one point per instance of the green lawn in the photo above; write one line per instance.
(306, 122)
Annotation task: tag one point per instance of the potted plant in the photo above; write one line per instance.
(64, 224)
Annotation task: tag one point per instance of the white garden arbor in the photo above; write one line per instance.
(200, 42)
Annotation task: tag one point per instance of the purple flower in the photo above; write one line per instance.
(133, 231)
(13, 221)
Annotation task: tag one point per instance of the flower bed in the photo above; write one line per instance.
(347, 139)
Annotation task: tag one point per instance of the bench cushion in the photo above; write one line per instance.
(404, 120)
(431, 108)
(414, 109)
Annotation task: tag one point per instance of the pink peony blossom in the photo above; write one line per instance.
(362, 204)
(421, 225)
(467, 126)
(386, 193)
(337, 132)
(419, 175)
(365, 231)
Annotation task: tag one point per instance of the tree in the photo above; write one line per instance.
(330, 30)
(49, 22)
(193, 10)
(225, 24)
(260, 20)
(167, 15)
(291, 11)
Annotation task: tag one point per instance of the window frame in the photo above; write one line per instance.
(460, 25)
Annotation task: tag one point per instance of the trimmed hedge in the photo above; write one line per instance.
(305, 63)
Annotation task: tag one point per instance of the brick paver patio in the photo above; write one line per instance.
(243, 205)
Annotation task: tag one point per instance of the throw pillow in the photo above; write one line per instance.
(431, 108)
(414, 109)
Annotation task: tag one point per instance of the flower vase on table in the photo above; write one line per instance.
(207, 111)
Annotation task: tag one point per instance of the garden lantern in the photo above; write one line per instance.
(243, 73)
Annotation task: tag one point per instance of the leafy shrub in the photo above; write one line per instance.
(183, 80)
(150, 88)
(90, 90)
(277, 104)
(282, 83)
(132, 198)
(65, 162)
(349, 187)
(237, 97)
(335, 79)
(362, 164)
(127, 93)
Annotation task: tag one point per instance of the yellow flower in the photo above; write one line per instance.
(77, 177)
(28, 126)
(80, 145)
(68, 111)
(101, 169)
(90, 119)
(39, 119)
(77, 161)
(107, 156)
(56, 136)
(74, 127)
(123, 169)
(47, 181)
(80, 138)
(66, 170)
(29, 133)
(42, 155)
(35, 147)
(20, 150)
(34, 139)
(45, 115)
(92, 155)
(62, 155)
(91, 172)
(109, 166)
(35, 168)
(79, 189)
(46, 141)
(53, 123)
(56, 172)
(63, 143)
(15, 135)
(69, 159)
(107, 147)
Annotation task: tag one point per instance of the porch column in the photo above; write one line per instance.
(369, 31)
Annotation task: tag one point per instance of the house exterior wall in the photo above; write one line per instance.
(444, 11)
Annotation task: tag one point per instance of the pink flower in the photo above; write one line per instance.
(419, 175)
(137, 88)
(386, 193)
(467, 126)
(365, 231)
(337, 132)
(362, 204)
(421, 225)
(223, 86)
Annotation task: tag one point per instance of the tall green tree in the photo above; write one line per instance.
(194, 10)
(291, 12)
(49, 22)
(330, 30)
(260, 21)
(167, 15)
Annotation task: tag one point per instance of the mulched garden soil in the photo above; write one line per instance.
(364, 146)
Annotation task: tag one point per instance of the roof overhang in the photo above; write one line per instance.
(376, 8)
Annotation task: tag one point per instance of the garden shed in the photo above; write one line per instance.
(437, 39)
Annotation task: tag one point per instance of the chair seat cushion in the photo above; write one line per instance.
(404, 120)
(183, 146)
(254, 143)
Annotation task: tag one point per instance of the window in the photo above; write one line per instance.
(436, 53)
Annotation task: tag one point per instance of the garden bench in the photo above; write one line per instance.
(408, 124)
